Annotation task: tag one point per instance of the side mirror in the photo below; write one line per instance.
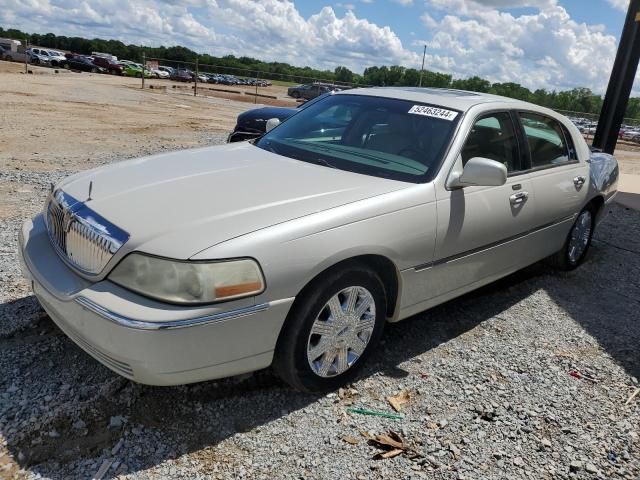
(481, 172)
(272, 123)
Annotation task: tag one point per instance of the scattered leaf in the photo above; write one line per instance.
(400, 400)
(390, 454)
(351, 440)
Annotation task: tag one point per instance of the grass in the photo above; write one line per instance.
(283, 83)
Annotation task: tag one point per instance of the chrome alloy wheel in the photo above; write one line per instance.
(580, 235)
(341, 332)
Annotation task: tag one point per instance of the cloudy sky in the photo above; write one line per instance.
(538, 43)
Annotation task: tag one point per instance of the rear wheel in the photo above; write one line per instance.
(94, 70)
(578, 241)
(67, 66)
(331, 330)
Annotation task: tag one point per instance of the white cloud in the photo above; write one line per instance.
(404, 3)
(546, 48)
(622, 5)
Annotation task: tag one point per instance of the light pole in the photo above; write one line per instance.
(424, 54)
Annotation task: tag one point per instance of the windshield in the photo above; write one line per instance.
(384, 137)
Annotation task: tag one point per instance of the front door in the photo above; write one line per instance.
(482, 231)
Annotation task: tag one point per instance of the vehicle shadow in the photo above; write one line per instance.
(63, 408)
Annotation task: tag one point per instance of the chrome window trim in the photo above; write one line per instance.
(128, 322)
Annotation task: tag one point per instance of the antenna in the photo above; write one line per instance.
(90, 188)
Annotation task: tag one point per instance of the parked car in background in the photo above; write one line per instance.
(110, 66)
(311, 90)
(181, 76)
(156, 72)
(253, 123)
(203, 78)
(132, 69)
(185, 267)
(82, 63)
(38, 56)
(168, 70)
(57, 58)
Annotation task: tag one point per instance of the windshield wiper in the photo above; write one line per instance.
(322, 161)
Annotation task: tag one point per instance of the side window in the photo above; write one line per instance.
(493, 137)
(573, 153)
(546, 140)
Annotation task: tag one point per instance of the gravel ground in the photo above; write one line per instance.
(487, 376)
(490, 393)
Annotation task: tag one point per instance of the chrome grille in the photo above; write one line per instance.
(82, 238)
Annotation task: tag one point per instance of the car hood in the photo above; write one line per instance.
(180, 203)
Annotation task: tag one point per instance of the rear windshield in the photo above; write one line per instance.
(384, 137)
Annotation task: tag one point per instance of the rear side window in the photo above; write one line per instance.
(546, 140)
(493, 137)
(573, 153)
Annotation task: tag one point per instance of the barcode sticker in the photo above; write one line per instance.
(434, 112)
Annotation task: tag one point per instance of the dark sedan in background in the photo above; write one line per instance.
(253, 123)
(82, 63)
(310, 91)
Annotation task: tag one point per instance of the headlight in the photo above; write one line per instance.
(188, 282)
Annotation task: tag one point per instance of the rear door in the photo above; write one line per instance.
(560, 180)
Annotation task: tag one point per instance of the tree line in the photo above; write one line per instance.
(576, 100)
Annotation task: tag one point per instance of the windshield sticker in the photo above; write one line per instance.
(434, 112)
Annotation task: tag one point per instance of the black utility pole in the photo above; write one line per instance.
(620, 83)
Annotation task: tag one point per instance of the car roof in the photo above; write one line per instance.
(457, 99)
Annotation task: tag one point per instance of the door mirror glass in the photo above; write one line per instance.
(272, 123)
(482, 172)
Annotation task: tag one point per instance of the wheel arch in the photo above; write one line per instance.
(380, 264)
(597, 205)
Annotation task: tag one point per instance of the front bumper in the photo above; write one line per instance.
(147, 341)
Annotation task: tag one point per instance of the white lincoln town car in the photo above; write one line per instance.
(294, 250)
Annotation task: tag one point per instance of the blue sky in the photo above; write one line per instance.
(552, 44)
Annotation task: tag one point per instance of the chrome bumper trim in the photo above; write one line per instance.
(169, 324)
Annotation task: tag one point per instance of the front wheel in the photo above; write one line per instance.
(578, 242)
(331, 330)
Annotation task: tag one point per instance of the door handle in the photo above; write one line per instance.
(518, 198)
(579, 181)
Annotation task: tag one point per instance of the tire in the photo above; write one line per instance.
(295, 94)
(575, 248)
(67, 66)
(138, 75)
(8, 58)
(300, 359)
(94, 70)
